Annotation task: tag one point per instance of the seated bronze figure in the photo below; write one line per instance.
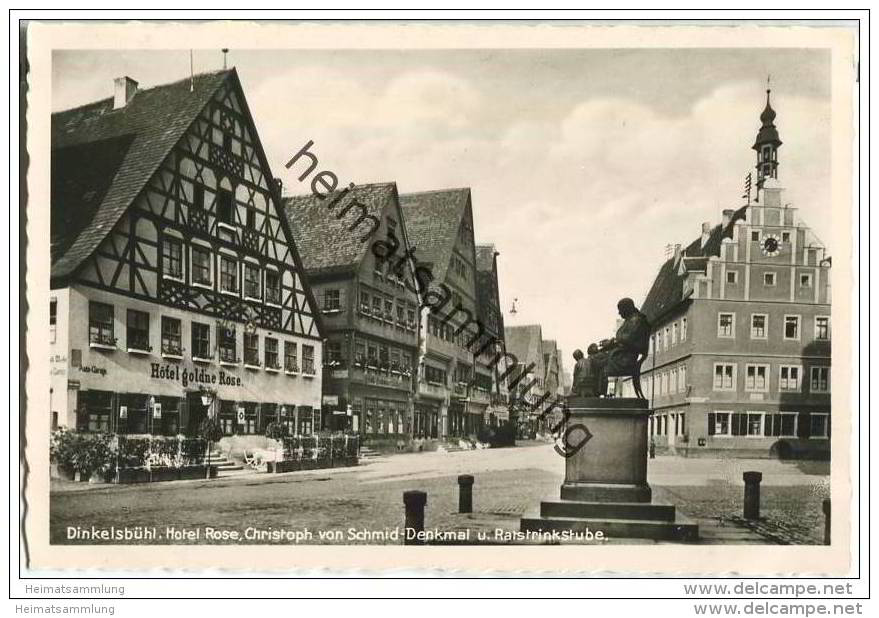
(628, 349)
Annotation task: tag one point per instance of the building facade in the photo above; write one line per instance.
(370, 310)
(492, 360)
(739, 359)
(440, 226)
(176, 289)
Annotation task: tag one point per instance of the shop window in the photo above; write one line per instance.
(134, 415)
(171, 336)
(172, 257)
(273, 287)
(719, 424)
(96, 411)
(138, 331)
(201, 341)
(101, 324)
(228, 417)
(252, 281)
(782, 425)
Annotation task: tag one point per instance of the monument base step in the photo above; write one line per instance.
(607, 510)
(606, 492)
(681, 528)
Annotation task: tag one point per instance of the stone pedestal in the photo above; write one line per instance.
(605, 484)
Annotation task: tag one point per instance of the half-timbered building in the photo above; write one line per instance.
(176, 288)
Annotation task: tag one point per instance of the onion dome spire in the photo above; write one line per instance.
(767, 143)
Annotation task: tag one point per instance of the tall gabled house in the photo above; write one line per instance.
(440, 225)
(369, 311)
(492, 360)
(177, 292)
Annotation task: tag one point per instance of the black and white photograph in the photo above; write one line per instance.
(523, 293)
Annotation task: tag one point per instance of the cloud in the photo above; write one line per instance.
(581, 205)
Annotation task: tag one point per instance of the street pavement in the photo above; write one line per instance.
(508, 482)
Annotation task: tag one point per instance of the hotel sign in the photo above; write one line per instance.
(175, 373)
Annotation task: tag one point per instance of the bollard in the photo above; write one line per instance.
(414, 502)
(465, 493)
(752, 494)
(825, 506)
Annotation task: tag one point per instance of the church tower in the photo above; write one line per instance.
(766, 145)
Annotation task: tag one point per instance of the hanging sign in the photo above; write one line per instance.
(240, 415)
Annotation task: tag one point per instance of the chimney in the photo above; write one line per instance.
(727, 216)
(124, 91)
(706, 232)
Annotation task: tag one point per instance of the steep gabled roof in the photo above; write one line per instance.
(667, 289)
(102, 158)
(485, 258)
(525, 342)
(433, 219)
(326, 243)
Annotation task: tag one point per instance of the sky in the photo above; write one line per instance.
(583, 164)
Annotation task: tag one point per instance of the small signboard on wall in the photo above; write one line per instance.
(157, 410)
(123, 411)
(241, 415)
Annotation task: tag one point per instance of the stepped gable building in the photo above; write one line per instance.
(492, 359)
(740, 350)
(440, 226)
(370, 315)
(176, 288)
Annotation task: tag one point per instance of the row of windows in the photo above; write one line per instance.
(380, 356)
(231, 271)
(137, 340)
(666, 338)
(667, 382)
(791, 326)
(770, 278)
(763, 424)
(757, 377)
(384, 308)
(753, 424)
